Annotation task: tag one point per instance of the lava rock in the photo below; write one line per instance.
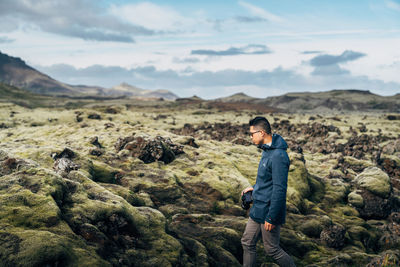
(94, 116)
(121, 142)
(150, 150)
(95, 141)
(334, 236)
(66, 153)
(375, 207)
(374, 180)
(96, 152)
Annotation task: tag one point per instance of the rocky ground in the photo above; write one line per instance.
(149, 186)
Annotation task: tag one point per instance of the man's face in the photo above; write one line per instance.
(257, 135)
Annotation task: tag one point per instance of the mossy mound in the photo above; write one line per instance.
(374, 180)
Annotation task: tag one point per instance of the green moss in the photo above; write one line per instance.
(312, 228)
(298, 178)
(374, 180)
(355, 199)
(41, 248)
(102, 172)
(133, 198)
(336, 191)
(317, 188)
(357, 164)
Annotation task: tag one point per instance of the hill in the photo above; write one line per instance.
(334, 100)
(15, 72)
(133, 91)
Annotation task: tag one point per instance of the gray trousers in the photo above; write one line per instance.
(270, 239)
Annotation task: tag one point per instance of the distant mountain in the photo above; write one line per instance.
(15, 72)
(336, 100)
(239, 97)
(340, 100)
(132, 91)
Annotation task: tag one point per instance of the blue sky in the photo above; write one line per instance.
(209, 48)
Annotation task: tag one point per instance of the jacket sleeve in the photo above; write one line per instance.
(280, 169)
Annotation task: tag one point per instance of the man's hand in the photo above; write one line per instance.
(269, 226)
(247, 190)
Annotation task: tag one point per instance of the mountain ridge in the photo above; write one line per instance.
(15, 72)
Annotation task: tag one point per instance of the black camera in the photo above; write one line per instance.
(247, 199)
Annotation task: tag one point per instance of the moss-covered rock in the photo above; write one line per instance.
(311, 228)
(298, 184)
(355, 199)
(102, 172)
(374, 180)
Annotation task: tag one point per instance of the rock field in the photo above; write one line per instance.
(147, 186)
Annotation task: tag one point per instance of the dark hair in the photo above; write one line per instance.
(262, 123)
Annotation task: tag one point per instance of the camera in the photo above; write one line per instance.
(247, 199)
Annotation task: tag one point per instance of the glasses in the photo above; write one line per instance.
(251, 133)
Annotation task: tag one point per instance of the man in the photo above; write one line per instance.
(268, 211)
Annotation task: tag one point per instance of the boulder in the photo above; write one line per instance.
(375, 181)
(333, 236)
(375, 207)
(150, 150)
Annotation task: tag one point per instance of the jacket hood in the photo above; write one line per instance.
(277, 143)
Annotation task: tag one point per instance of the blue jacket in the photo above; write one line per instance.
(269, 194)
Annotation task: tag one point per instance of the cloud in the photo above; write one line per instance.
(186, 60)
(87, 20)
(329, 64)
(4, 40)
(209, 84)
(310, 52)
(252, 49)
(392, 5)
(324, 60)
(152, 16)
(260, 12)
(248, 19)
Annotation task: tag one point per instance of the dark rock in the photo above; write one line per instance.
(157, 149)
(191, 142)
(121, 142)
(375, 207)
(393, 117)
(95, 141)
(358, 146)
(216, 131)
(363, 128)
(96, 152)
(392, 169)
(66, 153)
(78, 117)
(94, 116)
(334, 236)
(109, 125)
(111, 110)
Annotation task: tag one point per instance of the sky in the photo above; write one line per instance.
(210, 48)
